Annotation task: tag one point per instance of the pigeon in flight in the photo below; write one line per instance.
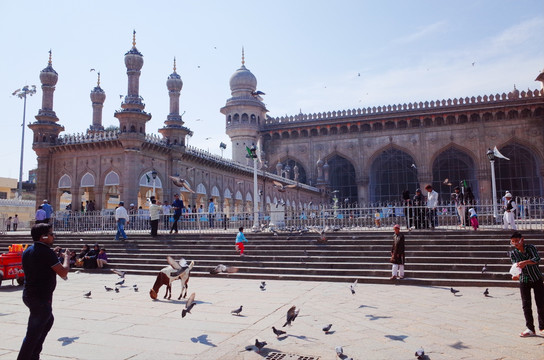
(352, 287)
(107, 288)
(277, 332)
(453, 291)
(420, 353)
(237, 311)
(259, 345)
(486, 292)
(120, 282)
(179, 182)
(223, 269)
(262, 286)
(282, 188)
(327, 328)
(180, 266)
(188, 305)
(484, 269)
(292, 314)
(87, 294)
(121, 274)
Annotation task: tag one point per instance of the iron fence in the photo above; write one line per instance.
(381, 216)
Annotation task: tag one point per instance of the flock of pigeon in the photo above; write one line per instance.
(118, 284)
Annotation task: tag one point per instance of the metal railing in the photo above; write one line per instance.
(529, 216)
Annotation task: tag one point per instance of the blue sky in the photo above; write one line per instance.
(306, 55)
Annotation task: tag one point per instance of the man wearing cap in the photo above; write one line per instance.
(121, 216)
(48, 211)
(397, 254)
(526, 257)
(510, 208)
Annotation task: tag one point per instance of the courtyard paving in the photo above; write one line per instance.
(377, 322)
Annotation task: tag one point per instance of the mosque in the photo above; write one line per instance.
(362, 156)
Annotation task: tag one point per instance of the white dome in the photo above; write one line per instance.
(243, 79)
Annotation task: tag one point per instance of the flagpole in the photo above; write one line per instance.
(491, 156)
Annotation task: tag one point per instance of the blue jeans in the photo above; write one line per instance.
(40, 322)
(121, 229)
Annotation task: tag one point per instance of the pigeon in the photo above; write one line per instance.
(352, 287)
(120, 273)
(87, 294)
(453, 291)
(292, 314)
(486, 292)
(179, 182)
(277, 332)
(326, 328)
(180, 266)
(259, 345)
(107, 288)
(262, 286)
(339, 351)
(282, 188)
(237, 311)
(188, 305)
(484, 269)
(135, 289)
(116, 289)
(223, 269)
(420, 353)
(120, 282)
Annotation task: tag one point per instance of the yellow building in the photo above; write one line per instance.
(8, 188)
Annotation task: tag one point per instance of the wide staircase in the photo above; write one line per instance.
(438, 258)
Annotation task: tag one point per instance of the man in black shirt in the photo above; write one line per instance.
(526, 257)
(41, 266)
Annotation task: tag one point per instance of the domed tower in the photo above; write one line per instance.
(46, 131)
(98, 96)
(174, 131)
(132, 117)
(244, 112)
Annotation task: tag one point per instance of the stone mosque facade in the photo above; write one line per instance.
(360, 156)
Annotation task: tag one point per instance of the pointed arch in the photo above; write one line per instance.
(249, 197)
(391, 173)
(238, 195)
(520, 174)
(65, 182)
(342, 177)
(215, 191)
(147, 180)
(227, 194)
(111, 179)
(290, 163)
(87, 180)
(453, 167)
(201, 189)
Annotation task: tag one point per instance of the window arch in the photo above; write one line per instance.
(453, 168)
(391, 173)
(65, 182)
(291, 173)
(520, 174)
(245, 118)
(87, 180)
(111, 179)
(342, 178)
(147, 180)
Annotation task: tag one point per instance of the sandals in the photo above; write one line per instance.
(527, 333)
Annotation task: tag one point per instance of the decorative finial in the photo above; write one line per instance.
(98, 81)
(133, 38)
(515, 87)
(174, 64)
(50, 62)
(243, 61)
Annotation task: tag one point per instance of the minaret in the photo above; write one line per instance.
(98, 96)
(174, 131)
(132, 117)
(243, 111)
(46, 131)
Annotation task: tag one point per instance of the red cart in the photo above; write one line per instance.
(11, 265)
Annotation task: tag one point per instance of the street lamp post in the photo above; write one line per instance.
(154, 176)
(22, 94)
(491, 156)
(252, 153)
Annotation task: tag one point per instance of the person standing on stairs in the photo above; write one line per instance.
(397, 254)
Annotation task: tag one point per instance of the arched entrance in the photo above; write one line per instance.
(391, 174)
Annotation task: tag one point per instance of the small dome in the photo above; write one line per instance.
(134, 60)
(174, 82)
(98, 95)
(319, 162)
(243, 79)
